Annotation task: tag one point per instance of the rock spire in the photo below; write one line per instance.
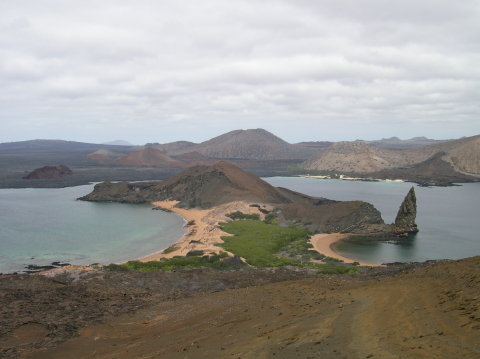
(405, 220)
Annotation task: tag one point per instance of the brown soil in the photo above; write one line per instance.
(428, 312)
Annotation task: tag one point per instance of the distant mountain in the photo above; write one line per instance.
(444, 162)
(466, 156)
(394, 143)
(354, 157)
(463, 154)
(434, 171)
(253, 144)
(103, 156)
(318, 145)
(149, 157)
(173, 148)
(118, 143)
(36, 153)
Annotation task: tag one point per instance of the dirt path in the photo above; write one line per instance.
(429, 313)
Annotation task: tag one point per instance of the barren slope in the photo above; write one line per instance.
(355, 157)
(150, 157)
(431, 312)
(463, 154)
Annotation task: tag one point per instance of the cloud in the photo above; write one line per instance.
(154, 71)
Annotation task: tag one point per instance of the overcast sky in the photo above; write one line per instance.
(159, 71)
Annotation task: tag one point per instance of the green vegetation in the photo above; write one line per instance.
(191, 223)
(240, 215)
(262, 244)
(170, 249)
(271, 218)
(177, 262)
(195, 253)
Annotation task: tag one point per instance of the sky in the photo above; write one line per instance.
(160, 71)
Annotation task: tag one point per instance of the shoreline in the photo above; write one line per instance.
(324, 242)
(205, 235)
(358, 179)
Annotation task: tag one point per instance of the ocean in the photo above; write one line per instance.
(448, 217)
(39, 226)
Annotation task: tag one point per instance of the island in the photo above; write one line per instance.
(207, 196)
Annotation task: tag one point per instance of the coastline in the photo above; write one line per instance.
(346, 178)
(323, 244)
(203, 233)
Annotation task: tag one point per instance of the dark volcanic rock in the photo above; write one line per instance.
(405, 220)
(49, 172)
(325, 215)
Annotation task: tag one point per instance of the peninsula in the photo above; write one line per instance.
(205, 195)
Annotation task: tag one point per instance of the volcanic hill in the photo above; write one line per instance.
(198, 186)
(206, 187)
(355, 157)
(253, 144)
(49, 172)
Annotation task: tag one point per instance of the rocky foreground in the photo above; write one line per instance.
(428, 310)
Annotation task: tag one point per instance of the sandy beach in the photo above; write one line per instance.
(323, 242)
(203, 231)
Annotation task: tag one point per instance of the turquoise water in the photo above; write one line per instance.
(39, 226)
(448, 217)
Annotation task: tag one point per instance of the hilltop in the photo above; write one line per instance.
(253, 144)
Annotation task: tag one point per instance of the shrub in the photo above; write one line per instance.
(170, 249)
(271, 218)
(239, 215)
(177, 262)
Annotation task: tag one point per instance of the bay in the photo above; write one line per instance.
(448, 217)
(39, 226)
